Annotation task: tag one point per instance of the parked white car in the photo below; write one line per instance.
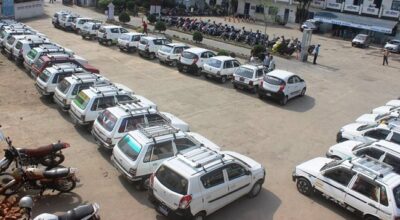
(69, 87)
(33, 55)
(148, 46)
(193, 59)
(249, 76)
(377, 118)
(170, 53)
(89, 103)
(391, 106)
(89, 30)
(23, 46)
(198, 183)
(362, 185)
(393, 46)
(368, 133)
(282, 85)
(67, 22)
(5, 34)
(361, 40)
(77, 25)
(57, 17)
(48, 80)
(220, 67)
(130, 41)
(115, 122)
(10, 43)
(109, 34)
(138, 154)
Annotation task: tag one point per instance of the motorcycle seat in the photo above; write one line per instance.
(37, 152)
(77, 213)
(56, 173)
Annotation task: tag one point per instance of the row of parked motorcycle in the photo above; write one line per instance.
(36, 170)
(279, 45)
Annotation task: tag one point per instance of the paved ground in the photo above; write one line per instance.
(347, 83)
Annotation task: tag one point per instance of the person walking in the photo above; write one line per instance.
(266, 61)
(316, 52)
(385, 57)
(144, 27)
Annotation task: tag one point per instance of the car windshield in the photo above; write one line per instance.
(361, 37)
(172, 180)
(331, 164)
(32, 54)
(11, 40)
(64, 86)
(396, 42)
(39, 63)
(244, 72)
(166, 48)
(214, 63)
(396, 194)
(45, 75)
(273, 80)
(189, 55)
(365, 127)
(2, 34)
(107, 120)
(82, 100)
(130, 147)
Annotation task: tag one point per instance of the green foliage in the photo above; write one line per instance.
(223, 53)
(160, 26)
(124, 17)
(273, 10)
(152, 18)
(103, 4)
(197, 37)
(131, 5)
(258, 50)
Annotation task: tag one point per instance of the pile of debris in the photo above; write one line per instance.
(9, 209)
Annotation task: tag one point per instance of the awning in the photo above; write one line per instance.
(366, 23)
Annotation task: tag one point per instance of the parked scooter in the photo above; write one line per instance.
(83, 212)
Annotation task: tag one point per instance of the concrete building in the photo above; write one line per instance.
(21, 9)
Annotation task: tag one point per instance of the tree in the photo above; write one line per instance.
(103, 4)
(160, 26)
(266, 4)
(124, 17)
(302, 10)
(197, 37)
(223, 53)
(151, 18)
(258, 51)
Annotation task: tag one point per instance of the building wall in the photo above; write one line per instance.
(281, 4)
(28, 9)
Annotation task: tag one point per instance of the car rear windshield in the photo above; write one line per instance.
(82, 100)
(172, 180)
(64, 86)
(11, 40)
(244, 72)
(166, 49)
(39, 63)
(45, 75)
(396, 194)
(214, 63)
(107, 120)
(273, 80)
(189, 55)
(18, 45)
(130, 147)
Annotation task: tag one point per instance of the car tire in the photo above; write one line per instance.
(256, 189)
(235, 86)
(174, 63)
(152, 56)
(255, 89)
(304, 186)
(284, 100)
(200, 216)
(303, 92)
(199, 71)
(223, 79)
(370, 217)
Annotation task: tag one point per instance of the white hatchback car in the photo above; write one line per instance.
(130, 41)
(148, 46)
(193, 59)
(393, 45)
(89, 30)
(169, 53)
(115, 122)
(377, 118)
(282, 85)
(22, 47)
(220, 67)
(109, 34)
(362, 185)
(391, 106)
(249, 76)
(368, 133)
(198, 183)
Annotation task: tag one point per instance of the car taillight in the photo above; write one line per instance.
(151, 179)
(281, 88)
(195, 60)
(250, 82)
(185, 202)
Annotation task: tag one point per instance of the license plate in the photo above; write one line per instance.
(241, 79)
(269, 94)
(163, 210)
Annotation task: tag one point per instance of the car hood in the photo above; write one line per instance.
(352, 127)
(367, 118)
(204, 141)
(358, 41)
(394, 102)
(313, 166)
(176, 122)
(382, 109)
(345, 149)
(252, 163)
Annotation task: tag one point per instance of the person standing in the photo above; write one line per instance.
(385, 57)
(316, 52)
(267, 61)
(144, 27)
(271, 63)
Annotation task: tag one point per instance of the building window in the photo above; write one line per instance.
(339, 1)
(396, 5)
(377, 3)
(260, 9)
(357, 2)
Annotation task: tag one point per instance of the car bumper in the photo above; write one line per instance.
(121, 170)
(100, 140)
(42, 91)
(242, 85)
(27, 66)
(339, 137)
(64, 107)
(188, 68)
(77, 119)
(270, 94)
(294, 177)
(357, 44)
(166, 211)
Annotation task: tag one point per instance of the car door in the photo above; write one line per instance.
(102, 104)
(215, 190)
(363, 195)
(375, 134)
(155, 155)
(291, 87)
(239, 181)
(334, 182)
(299, 85)
(394, 137)
(203, 59)
(228, 68)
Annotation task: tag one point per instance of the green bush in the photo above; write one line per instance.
(131, 5)
(197, 37)
(152, 18)
(124, 17)
(223, 53)
(103, 4)
(160, 26)
(258, 51)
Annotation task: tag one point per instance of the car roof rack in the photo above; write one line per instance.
(85, 75)
(200, 157)
(109, 87)
(134, 106)
(371, 166)
(158, 130)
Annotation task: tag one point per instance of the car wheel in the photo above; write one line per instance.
(303, 92)
(284, 100)
(255, 190)
(199, 71)
(200, 216)
(223, 79)
(180, 69)
(370, 217)
(152, 56)
(174, 63)
(304, 186)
